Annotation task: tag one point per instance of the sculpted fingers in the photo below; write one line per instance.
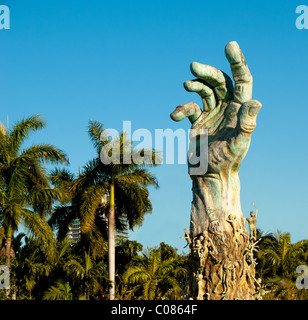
(247, 116)
(211, 75)
(188, 110)
(240, 72)
(205, 92)
(245, 126)
(218, 80)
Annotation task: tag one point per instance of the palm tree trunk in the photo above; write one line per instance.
(111, 243)
(8, 246)
(8, 249)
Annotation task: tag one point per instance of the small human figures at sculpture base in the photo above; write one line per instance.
(252, 222)
(217, 275)
(201, 285)
(237, 229)
(260, 292)
(186, 237)
(248, 253)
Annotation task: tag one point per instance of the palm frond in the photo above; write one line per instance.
(39, 227)
(42, 198)
(59, 176)
(96, 133)
(21, 131)
(61, 291)
(136, 274)
(140, 176)
(44, 153)
(61, 219)
(90, 201)
(132, 200)
(75, 268)
(146, 157)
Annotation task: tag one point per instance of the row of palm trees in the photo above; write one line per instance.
(28, 192)
(105, 198)
(26, 196)
(277, 260)
(73, 272)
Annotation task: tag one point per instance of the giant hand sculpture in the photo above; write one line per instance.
(229, 114)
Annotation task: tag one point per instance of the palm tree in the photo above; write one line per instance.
(90, 274)
(126, 251)
(59, 258)
(30, 264)
(25, 194)
(124, 184)
(41, 268)
(61, 291)
(278, 256)
(64, 214)
(156, 276)
(277, 262)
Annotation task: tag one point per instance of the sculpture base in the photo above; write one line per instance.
(222, 265)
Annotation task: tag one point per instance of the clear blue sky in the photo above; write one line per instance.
(126, 60)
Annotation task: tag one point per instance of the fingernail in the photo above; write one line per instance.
(233, 52)
(253, 110)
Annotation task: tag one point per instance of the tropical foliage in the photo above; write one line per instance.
(125, 184)
(278, 259)
(106, 199)
(25, 193)
(157, 274)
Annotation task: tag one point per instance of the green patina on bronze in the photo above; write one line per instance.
(220, 248)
